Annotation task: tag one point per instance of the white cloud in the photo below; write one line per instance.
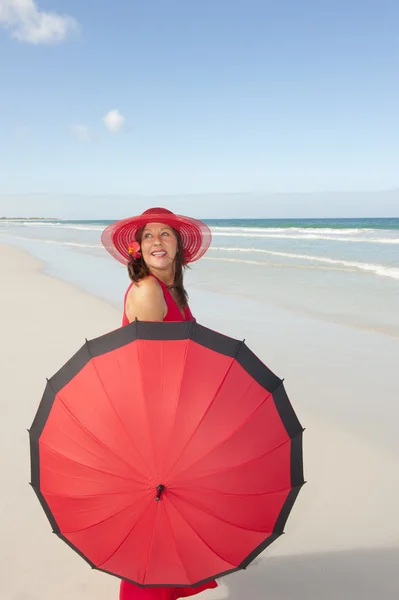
(33, 26)
(81, 132)
(114, 121)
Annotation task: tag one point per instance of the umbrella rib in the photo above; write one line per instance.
(209, 405)
(175, 543)
(113, 408)
(128, 534)
(91, 434)
(200, 536)
(209, 512)
(76, 462)
(98, 495)
(248, 462)
(86, 449)
(146, 412)
(213, 492)
(147, 563)
(130, 480)
(178, 394)
(104, 521)
(231, 434)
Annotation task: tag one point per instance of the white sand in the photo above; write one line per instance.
(342, 539)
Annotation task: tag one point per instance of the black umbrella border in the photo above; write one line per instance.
(174, 331)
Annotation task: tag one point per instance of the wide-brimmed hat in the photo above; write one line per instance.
(196, 235)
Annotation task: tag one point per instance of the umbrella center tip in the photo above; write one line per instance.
(160, 490)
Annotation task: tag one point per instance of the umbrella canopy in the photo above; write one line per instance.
(166, 454)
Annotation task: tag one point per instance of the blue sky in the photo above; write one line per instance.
(213, 97)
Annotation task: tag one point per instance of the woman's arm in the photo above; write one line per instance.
(145, 301)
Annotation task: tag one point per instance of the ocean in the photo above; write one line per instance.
(342, 270)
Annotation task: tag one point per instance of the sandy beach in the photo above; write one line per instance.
(342, 538)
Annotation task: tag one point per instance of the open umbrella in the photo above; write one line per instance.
(166, 454)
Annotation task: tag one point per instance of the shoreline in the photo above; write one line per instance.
(370, 321)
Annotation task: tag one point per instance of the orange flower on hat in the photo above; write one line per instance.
(134, 249)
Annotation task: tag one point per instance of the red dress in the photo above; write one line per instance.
(129, 591)
(173, 313)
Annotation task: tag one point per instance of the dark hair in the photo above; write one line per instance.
(138, 269)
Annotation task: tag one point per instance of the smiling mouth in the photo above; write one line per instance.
(158, 253)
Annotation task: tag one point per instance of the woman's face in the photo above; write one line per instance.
(159, 246)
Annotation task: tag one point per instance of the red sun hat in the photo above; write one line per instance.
(196, 236)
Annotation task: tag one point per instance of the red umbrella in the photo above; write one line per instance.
(166, 454)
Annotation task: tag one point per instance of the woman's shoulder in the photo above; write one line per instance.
(149, 285)
(145, 301)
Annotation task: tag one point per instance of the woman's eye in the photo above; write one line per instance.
(147, 235)
(165, 233)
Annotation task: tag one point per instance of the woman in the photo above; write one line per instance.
(156, 246)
